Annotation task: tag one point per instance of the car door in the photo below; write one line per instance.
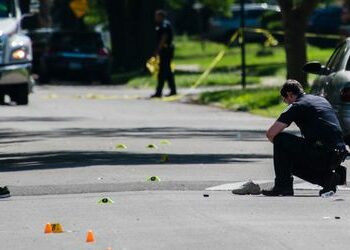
(323, 85)
(335, 80)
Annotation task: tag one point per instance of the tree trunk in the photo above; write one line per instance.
(132, 31)
(295, 47)
(44, 13)
(63, 17)
(295, 21)
(24, 6)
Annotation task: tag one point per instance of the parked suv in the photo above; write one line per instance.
(333, 83)
(75, 53)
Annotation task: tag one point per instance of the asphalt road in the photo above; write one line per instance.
(59, 157)
(67, 136)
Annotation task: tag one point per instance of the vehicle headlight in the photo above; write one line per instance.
(19, 54)
(19, 49)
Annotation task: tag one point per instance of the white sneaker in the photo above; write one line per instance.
(248, 188)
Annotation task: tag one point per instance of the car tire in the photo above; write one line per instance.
(105, 79)
(44, 78)
(44, 74)
(2, 98)
(20, 94)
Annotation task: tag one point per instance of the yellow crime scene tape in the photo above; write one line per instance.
(153, 66)
(215, 61)
(269, 42)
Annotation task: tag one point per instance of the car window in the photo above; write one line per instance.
(335, 61)
(348, 62)
(76, 42)
(6, 9)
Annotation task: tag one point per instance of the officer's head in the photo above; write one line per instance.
(160, 16)
(290, 91)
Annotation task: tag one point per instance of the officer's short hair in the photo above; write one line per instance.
(293, 86)
(161, 13)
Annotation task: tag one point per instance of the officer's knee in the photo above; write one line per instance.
(281, 138)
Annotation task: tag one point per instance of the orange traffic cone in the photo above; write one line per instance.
(90, 237)
(48, 228)
(109, 248)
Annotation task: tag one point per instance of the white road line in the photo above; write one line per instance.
(296, 186)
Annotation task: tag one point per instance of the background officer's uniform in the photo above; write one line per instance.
(310, 157)
(166, 55)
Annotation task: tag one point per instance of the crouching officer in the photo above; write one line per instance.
(165, 51)
(315, 157)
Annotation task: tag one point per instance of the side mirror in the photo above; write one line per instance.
(315, 68)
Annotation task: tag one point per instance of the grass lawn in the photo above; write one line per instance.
(187, 80)
(191, 52)
(262, 101)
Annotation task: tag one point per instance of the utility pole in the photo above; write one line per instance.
(242, 40)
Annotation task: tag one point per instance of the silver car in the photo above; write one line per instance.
(333, 83)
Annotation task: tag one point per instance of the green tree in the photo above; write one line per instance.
(96, 13)
(131, 24)
(295, 14)
(63, 16)
(218, 6)
(44, 13)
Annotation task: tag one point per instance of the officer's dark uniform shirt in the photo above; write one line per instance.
(165, 28)
(316, 120)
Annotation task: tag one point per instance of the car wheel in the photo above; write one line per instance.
(2, 98)
(44, 74)
(105, 79)
(44, 78)
(20, 94)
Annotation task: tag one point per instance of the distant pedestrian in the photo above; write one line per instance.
(315, 157)
(165, 50)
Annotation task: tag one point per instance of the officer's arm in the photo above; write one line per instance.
(275, 129)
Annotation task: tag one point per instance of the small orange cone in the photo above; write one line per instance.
(109, 248)
(48, 228)
(90, 237)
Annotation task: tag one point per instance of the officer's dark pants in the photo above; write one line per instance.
(294, 156)
(165, 74)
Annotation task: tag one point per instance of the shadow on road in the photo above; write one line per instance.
(39, 119)
(143, 132)
(73, 159)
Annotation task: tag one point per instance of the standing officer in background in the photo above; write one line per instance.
(315, 157)
(165, 51)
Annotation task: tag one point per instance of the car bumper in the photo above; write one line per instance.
(343, 112)
(77, 64)
(15, 74)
